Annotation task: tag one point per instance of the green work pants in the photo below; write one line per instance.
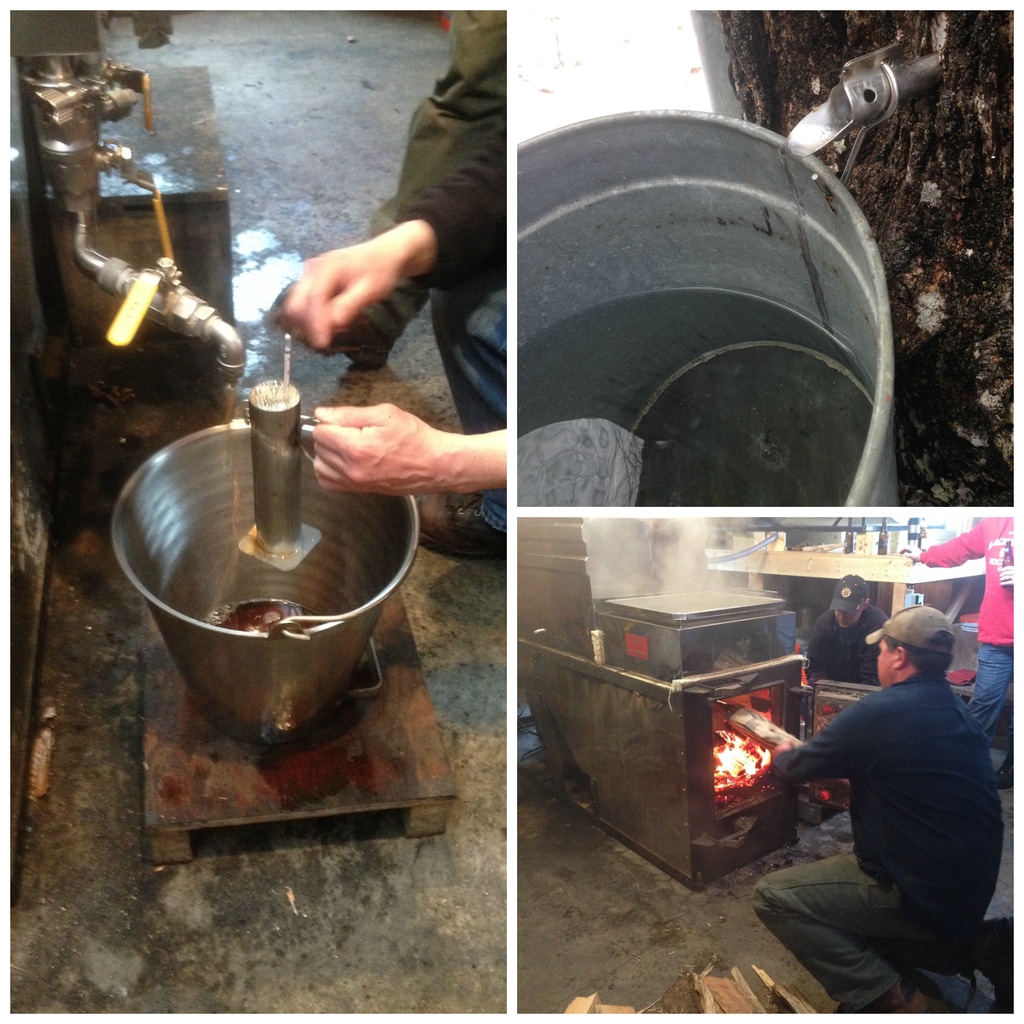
(836, 920)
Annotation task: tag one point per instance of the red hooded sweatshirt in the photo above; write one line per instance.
(987, 540)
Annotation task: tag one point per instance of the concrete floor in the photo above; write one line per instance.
(313, 109)
(593, 916)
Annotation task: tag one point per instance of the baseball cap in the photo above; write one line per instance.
(917, 626)
(849, 593)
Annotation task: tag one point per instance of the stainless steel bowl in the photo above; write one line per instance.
(176, 532)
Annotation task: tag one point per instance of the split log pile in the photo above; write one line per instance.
(592, 1004)
(734, 995)
(704, 993)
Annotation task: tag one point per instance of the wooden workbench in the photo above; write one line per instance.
(950, 590)
(897, 570)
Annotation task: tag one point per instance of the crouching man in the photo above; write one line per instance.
(927, 832)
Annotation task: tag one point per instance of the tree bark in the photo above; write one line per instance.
(935, 181)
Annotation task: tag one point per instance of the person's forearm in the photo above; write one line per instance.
(474, 462)
(956, 551)
(415, 244)
(467, 211)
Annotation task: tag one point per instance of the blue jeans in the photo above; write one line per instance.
(995, 673)
(471, 327)
(836, 919)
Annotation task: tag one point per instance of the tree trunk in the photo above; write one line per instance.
(935, 181)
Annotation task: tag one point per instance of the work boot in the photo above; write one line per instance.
(901, 998)
(454, 524)
(992, 954)
(1004, 777)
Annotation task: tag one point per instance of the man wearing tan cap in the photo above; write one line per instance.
(927, 835)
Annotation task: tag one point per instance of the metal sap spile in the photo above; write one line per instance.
(869, 91)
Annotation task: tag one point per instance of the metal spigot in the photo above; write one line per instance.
(869, 91)
(111, 156)
(185, 313)
(159, 295)
(71, 96)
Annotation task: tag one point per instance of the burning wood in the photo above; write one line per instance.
(760, 729)
(738, 761)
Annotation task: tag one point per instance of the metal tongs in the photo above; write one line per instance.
(869, 91)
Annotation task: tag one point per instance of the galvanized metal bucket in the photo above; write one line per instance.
(682, 278)
(176, 531)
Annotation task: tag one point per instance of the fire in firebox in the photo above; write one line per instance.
(741, 766)
(738, 761)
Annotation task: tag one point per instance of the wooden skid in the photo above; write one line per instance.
(379, 753)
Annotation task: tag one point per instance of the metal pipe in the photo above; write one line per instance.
(916, 77)
(72, 93)
(174, 306)
(87, 259)
(231, 355)
(734, 555)
(276, 467)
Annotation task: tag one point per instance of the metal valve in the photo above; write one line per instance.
(58, 106)
(869, 91)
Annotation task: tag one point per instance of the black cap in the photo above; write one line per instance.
(849, 593)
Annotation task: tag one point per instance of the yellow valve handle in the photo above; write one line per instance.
(133, 309)
(147, 103)
(161, 224)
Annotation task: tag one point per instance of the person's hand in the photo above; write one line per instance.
(781, 748)
(379, 449)
(914, 554)
(382, 449)
(1006, 576)
(336, 286)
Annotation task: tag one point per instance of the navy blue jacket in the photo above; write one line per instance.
(924, 806)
